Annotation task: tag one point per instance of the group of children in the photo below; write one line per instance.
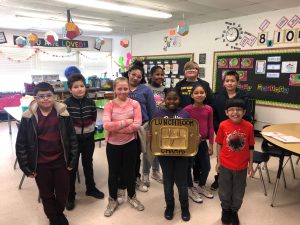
(52, 135)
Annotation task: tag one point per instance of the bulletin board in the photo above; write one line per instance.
(173, 65)
(271, 76)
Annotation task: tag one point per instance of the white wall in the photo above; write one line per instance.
(201, 39)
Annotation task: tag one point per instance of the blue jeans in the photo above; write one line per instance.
(203, 160)
(146, 165)
(174, 170)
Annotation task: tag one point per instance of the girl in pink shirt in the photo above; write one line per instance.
(204, 115)
(121, 119)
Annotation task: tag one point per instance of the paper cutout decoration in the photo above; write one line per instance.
(21, 41)
(223, 63)
(234, 62)
(68, 49)
(51, 37)
(294, 80)
(129, 57)
(71, 29)
(183, 29)
(124, 43)
(121, 63)
(32, 39)
(172, 32)
(99, 42)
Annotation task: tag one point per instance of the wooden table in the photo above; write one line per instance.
(292, 129)
(15, 112)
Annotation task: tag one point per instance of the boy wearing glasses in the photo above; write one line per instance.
(84, 114)
(235, 144)
(46, 149)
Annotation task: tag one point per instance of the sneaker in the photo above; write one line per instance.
(203, 190)
(185, 214)
(121, 196)
(63, 219)
(226, 216)
(146, 179)
(193, 194)
(95, 193)
(111, 207)
(169, 212)
(215, 185)
(70, 204)
(235, 218)
(157, 176)
(136, 203)
(140, 186)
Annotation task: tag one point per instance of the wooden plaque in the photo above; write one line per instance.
(174, 137)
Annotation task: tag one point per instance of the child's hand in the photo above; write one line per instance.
(250, 170)
(33, 175)
(218, 167)
(69, 168)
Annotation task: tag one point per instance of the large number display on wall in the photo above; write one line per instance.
(271, 76)
(172, 64)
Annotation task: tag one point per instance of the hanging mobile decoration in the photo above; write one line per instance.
(32, 39)
(21, 41)
(51, 37)
(183, 28)
(124, 43)
(71, 30)
(99, 42)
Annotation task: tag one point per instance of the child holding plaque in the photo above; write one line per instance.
(174, 167)
(204, 115)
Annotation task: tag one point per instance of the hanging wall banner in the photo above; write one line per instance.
(60, 43)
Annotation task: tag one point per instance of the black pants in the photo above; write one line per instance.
(121, 165)
(53, 183)
(232, 185)
(86, 148)
(174, 170)
(138, 159)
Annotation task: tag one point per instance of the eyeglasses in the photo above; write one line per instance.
(136, 76)
(235, 109)
(44, 96)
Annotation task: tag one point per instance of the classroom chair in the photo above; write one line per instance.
(259, 158)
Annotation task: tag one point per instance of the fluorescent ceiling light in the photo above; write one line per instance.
(57, 21)
(119, 8)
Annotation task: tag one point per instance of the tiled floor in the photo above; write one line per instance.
(20, 207)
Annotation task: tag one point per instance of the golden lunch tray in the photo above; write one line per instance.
(174, 137)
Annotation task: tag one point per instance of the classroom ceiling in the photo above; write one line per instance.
(13, 13)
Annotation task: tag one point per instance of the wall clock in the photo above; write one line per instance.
(231, 35)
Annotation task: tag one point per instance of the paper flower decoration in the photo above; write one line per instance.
(32, 39)
(51, 37)
(21, 41)
(124, 43)
(183, 29)
(71, 30)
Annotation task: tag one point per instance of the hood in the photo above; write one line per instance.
(60, 108)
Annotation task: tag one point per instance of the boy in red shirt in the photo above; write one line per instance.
(235, 142)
